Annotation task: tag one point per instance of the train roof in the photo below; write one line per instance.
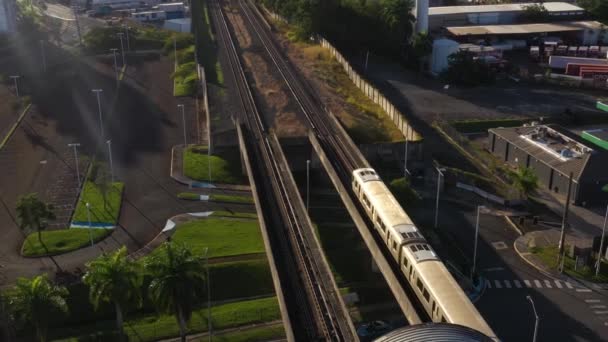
(445, 332)
(385, 204)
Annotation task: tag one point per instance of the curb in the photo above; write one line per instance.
(519, 253)
(15, 125)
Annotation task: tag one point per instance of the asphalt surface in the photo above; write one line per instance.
(568, 311)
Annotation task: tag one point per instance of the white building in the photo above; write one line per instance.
(7, 16)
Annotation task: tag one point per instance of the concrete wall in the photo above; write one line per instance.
(8, 14)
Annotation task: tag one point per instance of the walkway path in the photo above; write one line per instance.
(200, 336)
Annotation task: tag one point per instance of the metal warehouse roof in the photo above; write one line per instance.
(550, 6)
(434, 332)
(562, 26)
(592, 164)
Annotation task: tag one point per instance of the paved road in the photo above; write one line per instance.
(568, 311)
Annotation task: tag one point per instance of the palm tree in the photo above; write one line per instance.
(114, 279)
(525, 181)
(178, 282)
(33, 214)
(36, 300)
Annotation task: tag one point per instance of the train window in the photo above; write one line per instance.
(395, 245)
(434, 306)
(414, 248)
(419, 284)
(366, 201)
(426, 295)
(383, 226)
(411, 271)
(405, 262)
(443, 319)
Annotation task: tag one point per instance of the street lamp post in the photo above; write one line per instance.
(307, 184)
(183, 123)
(406, 172)
(15, 77)
(599, 254)
(88, 205)
(209, 327)
(122, 47)
(115, 63)
(479, 208)
(127, 33)
(109, 142)
(537, 319)
(75, 147)
(43, 55)
(439, 175)
(97, 92)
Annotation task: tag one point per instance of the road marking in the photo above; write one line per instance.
(558, 284)
(499, 245)
(593, 300)
(488, 284)
(497, 284)
(528, 284)
(598, 306)
(517, 283)
(548, 284)
(538, 284)
(601, 312)
(494, 269)
(583, 290)
(508, 284)
(568, 285)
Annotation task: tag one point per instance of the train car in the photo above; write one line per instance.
(435, 287)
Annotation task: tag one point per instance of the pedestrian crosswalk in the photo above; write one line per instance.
(532, 283)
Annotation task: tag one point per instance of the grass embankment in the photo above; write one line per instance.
(482, 126)
(101, 211)
(365, 121)
(216, 198)
(221, 213)
(206, 48)
(196, 164)
(549, 256)
(61, 241)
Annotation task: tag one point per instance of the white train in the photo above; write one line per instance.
(435, 287)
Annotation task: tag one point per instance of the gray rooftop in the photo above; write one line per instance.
(444, 332)
(552, 7)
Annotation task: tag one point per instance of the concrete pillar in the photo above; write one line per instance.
(422, 16)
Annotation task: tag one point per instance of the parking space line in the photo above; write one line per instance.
(568, 285)
(598, 306)
(583, 290)
(601, 312)
(488, 284)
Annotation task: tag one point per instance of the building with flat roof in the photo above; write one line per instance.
(504, 14)
(554, 153)
(8, 16)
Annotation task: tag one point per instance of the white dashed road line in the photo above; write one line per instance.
(517, 283)
(538, 284)
(598, 306)
(592, 300)
(548, 284)
(583, 290)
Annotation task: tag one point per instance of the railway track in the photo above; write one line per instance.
(313, 308)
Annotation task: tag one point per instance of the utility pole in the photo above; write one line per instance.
(562, 237)
(366, 60)
(109, 142)
(75, 147)
(115, 63)
(598, 265)
(15, 78)
(97, 92)
(406, 172)
(537, 319)
(43, 55)
(122, 47)
(439, 175)
(479, 208)
(127, 33)
(175, 51)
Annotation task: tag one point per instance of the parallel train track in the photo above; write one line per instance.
(315, 312)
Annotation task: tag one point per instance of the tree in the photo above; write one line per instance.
(421, 46)
(398, 18)
(114, 279)
(535, 13)
(525, 181)
(178, 282)
(464, 68)
(34, 214)
(36, 301)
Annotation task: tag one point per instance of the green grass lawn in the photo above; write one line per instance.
(197, 163)
(100, 213)
(231, 199)
(223, 237)
(240, 279)
(151, 327)
(60, 241)
(549, 256)
(255, 334)
(220, 213)
(189, 196)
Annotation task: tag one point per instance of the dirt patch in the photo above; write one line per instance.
(273, 99)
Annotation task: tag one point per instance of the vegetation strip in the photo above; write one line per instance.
(61, 241)
(14, 128)
(199, 166)
(105, 202)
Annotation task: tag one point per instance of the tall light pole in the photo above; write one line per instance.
(122, 47)
(209, 327)
(127, 33)
(183, 123)
(307, 184)
(406, 172)
(88, 205)
(479, 208)
(15, 78)
(439, 175)
(43, 55)
(109, 142)
(75, 147)
(537, 319)
(599, 254)
(115, 63)
(97, 92)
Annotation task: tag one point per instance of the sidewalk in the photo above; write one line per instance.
(177, 174)
(543, 238)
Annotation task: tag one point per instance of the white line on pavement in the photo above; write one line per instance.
(488, 284)
(492, 269)
(548, 284)
(528, 284)
(558, 284)
(568, 285)
(598, 306)
(497, 284)
(517, 283)
(593, 300)
(601, 312)
(538, 284)
(508, 284)
(583, 290)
